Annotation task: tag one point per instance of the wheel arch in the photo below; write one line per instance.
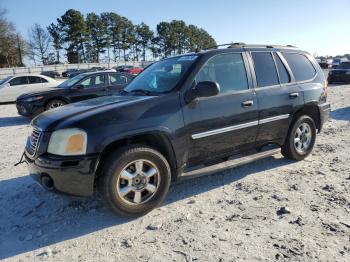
(311, 110)
(157, 140)
(56, 98)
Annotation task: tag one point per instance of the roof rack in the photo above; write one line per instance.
(244, 45)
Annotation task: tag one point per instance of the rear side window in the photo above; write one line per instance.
(227, 70)
(34, 80)
(282, 71)
(43, 80)
(22, 80)
(118, 79)
(265, 70)
(300, 65)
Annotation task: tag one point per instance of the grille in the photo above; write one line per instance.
(33, 142)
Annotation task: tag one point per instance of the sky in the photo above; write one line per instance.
(320, 27)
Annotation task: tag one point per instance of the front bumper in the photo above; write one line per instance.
(29, 109)
(69, 175)
(324, 110)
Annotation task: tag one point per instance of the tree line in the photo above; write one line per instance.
(87, 38)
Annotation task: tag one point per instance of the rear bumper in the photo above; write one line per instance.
(69, 175)
(324, 110)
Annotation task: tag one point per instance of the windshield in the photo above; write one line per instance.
(163, 76)
(71, 82)
(5, 79)
(343, 65)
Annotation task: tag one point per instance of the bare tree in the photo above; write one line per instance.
(39, 43)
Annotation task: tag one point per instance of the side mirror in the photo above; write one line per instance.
(203, 89)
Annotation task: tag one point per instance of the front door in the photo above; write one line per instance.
(90, 87)
(226, 123)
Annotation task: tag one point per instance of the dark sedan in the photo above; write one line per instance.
(52, 74)
(82, 87)
(341, 74)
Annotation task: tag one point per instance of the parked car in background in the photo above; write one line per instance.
(322, 62)
(336, 62)
(52, 74)
(81, 87)
(341, 74)
(13, 86)
(184, 116)
(68, 72)
(77, 72)
(129, 69)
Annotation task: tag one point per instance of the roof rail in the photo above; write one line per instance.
(243, 45)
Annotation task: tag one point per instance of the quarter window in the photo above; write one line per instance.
(265, 70)
(227, 70)
(282, 71)
(300, 65)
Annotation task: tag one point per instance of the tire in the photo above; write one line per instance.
(303, 129)
(54, 104)
(140, 199)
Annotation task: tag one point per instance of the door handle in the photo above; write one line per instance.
(248, 103)
(294, 95)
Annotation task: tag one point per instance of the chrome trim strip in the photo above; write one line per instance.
(274, 118)
(224, 130)
(241, 126)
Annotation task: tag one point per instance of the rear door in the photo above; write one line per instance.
(116, 82)
(90, 87)
(278, 95)
(228, 122)
(35, 83)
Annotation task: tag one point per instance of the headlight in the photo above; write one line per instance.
(68, 142)
(34, 98)
(347, 72)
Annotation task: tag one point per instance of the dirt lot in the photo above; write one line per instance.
(225, 217)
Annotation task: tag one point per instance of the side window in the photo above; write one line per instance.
(34, 80)
(300, 65)
(43, 80)
(22, 80)
(118, 79)
(265, 70)
(227, 70)
(93, 81)
(282, 71)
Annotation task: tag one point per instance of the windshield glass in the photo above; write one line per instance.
(71, 82)
(163, 76)
(343, 65)
(5, 79)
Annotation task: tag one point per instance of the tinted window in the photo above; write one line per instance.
(34, 80)
(93, 81)
(300, 66)
(19, 81)
(227, 70)
(118, 79)
(265, 70)
(282, 71)
(344, 65)
(43, 80)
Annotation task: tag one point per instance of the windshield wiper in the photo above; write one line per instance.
(143, 91)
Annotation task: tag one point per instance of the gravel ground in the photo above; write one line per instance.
(273, 209)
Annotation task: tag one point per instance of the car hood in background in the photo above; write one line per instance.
(41, 91)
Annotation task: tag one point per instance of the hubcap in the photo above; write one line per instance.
(138, 182)
(56, 104)
(302, 138)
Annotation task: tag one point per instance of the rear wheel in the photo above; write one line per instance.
(134, 180)
(54, 104)
(301, 139)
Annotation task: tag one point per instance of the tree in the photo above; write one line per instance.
(39, 43)
(143, 36)
(12, 45)
(164, 38)
(96, 30)
(73, 28)
(127, 36)
(57, 41)
(113, 23)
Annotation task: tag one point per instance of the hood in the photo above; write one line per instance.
(71, 114)
(40, 91)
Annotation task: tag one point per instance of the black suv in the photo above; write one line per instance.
(183, 116)
(81, 87)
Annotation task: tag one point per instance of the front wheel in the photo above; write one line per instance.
(54, 104)
(134, 180)
(301, 139)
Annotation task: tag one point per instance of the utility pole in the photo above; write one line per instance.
(19, 51)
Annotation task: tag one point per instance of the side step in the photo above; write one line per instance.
(208, 170)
